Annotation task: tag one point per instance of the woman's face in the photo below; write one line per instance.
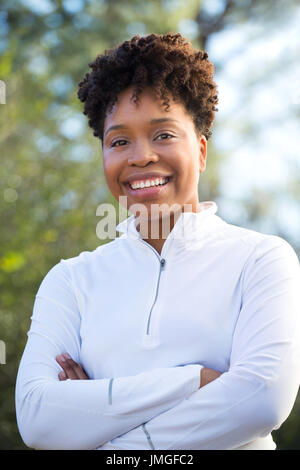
(143, 142)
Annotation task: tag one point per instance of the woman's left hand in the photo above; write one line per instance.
(71, 369)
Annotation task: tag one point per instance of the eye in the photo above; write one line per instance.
(165, 133)
(116, 141)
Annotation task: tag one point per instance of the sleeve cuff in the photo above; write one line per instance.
(195, 370)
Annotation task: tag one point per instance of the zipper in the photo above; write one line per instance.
(162, 263)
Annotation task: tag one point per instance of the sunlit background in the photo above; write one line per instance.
(51, 170)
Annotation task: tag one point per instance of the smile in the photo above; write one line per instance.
(145, 189)
(149, 183)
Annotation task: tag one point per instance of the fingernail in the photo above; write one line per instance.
(62, 358)
(63, 375)
(66, 355)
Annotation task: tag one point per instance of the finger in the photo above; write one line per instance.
(62, 376)
(67, 366)
(78, 369)
(62, 362)
(83, 375)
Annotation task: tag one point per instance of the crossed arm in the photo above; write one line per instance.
(83, 414)
(248, 401)
(74, 371)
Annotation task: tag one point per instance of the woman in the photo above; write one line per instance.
(185, 337)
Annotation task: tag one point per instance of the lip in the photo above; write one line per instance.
(144, 176)
(151, 192)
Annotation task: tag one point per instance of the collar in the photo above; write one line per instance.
(189, 225)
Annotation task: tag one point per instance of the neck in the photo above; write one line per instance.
(155, 231)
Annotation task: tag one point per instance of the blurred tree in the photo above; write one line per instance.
(51, 173)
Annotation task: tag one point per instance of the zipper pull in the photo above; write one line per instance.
(162, 263)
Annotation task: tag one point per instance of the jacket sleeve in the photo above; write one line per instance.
(82, 414)
(258, 392)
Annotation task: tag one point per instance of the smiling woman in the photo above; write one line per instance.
(190, 335)
(152, 103)
(158, 159)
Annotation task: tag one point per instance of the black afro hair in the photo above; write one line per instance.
(166, 63)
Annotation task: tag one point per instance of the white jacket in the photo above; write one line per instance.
(143, 324)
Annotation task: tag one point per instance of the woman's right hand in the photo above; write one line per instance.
(208, 375)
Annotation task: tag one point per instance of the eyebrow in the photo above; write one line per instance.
(153, 121)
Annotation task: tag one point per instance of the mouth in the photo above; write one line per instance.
(149, 191)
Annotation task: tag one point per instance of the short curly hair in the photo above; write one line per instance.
(166, 63)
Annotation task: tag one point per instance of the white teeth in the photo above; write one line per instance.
(148, 183)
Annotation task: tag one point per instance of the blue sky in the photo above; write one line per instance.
(269, 60)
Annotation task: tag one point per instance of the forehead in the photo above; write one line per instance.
(147, 105)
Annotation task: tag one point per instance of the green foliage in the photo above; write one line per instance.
(51, 175)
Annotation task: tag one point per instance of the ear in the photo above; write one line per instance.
(202, 143)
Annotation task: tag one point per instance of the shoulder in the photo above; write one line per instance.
(68, 271)
(258, 254)
(271, 261)
(91, 263)
(257, 244)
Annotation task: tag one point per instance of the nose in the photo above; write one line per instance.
(142, 153)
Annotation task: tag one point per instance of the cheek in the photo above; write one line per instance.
(187, 170)
(111, 174)
(110, 167)
(186, 165)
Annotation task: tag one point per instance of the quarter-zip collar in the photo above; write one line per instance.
(189, 228)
